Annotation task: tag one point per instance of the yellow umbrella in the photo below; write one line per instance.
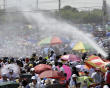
(80, 46)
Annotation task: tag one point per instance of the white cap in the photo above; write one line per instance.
(74, 75)
(33, 78)
(32, 69)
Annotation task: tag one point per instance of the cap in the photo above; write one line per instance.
(74, 75)
(33, 78)
(32, 69)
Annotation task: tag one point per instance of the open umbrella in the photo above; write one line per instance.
(70, 57)
(50, 74)
(80, 46)
(50, 40)
(42, 67)
(67, 70)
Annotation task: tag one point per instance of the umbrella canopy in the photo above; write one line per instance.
(70, 57)
(108, 34)
(95, 61)
(80, 46)
(42, 67)
(50, 74)
(50, 40)
(67, 70)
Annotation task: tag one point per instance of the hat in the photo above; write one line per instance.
(32, 69)
(33, 78)
(30, 65)
(74, 75)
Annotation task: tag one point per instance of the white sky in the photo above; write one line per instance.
(53, 4)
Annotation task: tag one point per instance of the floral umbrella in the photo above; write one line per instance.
(41, 68)
(70, 57)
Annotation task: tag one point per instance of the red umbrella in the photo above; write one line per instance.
(42, 67)
(50, 74)
(70, 57)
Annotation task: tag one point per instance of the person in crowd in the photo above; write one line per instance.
(61, 68)
(74, 71)
(73, 81)
(52, 56)
(11, 75)
(97, 76)
(84, 56)
(107, 76)
(4, 78)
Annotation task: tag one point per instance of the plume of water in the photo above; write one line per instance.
(50, 25)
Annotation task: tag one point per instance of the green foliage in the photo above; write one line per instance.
(72, 14)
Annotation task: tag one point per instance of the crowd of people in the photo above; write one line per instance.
(91, 78)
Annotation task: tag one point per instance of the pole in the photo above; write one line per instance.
(4, 4)
(37, 4)
(59, 5)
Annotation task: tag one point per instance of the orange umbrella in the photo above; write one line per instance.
(42, 67)
(50, 74)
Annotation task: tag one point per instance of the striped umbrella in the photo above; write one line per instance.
(80, 46)
(95, 61)
(50, 40)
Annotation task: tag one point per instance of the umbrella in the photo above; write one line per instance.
(50, 40)
(70, 57)
(42, 67)
(80, 46)
(53, 41)
(108, 34)
(67, 70)
(9, 85)
(50, 74)
(95, 61)
(5, 69)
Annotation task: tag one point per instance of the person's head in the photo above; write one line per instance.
(52, 52)
(86, 73)
(32, 70)
(34, 55)
(60, 64)
(64, 53)
(33, 78)
(74, 68)
(97, 69)
(74, 76)
(56, 63)
(10, 71)
(4, 76)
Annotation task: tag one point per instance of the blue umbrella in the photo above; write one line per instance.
(108, 34)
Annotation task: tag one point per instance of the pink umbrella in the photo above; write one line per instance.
(67, 70)
(70, 57)
(41, 68)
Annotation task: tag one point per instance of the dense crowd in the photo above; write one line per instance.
(80, 78)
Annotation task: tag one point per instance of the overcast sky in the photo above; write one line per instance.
(53, 4)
